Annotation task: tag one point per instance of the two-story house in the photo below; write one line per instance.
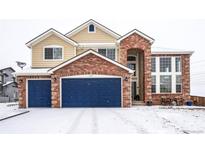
(8, 85)
(93, 66)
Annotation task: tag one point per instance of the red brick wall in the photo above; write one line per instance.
(135, 41)
(90, 64)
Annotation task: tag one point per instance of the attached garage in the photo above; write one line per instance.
(87, 80)
(39, 93)
(91, 92)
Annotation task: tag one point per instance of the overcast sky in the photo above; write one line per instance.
(167, 23)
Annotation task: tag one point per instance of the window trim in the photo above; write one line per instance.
(53, 46)
(154, 57)
(162, 84)
(154, 84)
(106, 51)
(89, 28)
(180, 68)
(136, 73)
(171, 64)
(173, 74)
(178, 83)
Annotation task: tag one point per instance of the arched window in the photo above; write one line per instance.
(131, 58)
(91, 28)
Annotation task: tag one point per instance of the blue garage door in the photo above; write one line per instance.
(91, 92)
(39, 93)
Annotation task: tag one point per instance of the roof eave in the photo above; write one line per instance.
(77, 29)
(172, 52)
(31, 42)
(32, 74)
(86, 53)
(150, 39)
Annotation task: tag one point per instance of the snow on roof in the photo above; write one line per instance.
(163, 50)
(7, 83)
(34, 71)
(3, 68)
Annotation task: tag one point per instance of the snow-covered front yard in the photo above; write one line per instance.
(140, 119)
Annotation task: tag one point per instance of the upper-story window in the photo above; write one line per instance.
(51, 53)
(132, 60)
(153, 64)
(107, 52)
(91, 28)
(178, 64)
(165, 64)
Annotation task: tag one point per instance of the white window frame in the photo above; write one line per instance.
(154, 57)
(160, 63)
(173, 74)
(106, 51)
(53, 46)
(179, 84)
(180, 68)
(154, 84)
(89, 28)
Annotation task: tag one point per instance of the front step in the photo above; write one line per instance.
(138, 103)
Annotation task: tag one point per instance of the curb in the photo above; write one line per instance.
(14, 115)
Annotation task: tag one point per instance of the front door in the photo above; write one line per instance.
(133, 63)
(135, 91)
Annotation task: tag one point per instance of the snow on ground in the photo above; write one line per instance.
(9, 109)
(142, 119)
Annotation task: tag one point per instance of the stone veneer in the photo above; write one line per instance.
(135, 41)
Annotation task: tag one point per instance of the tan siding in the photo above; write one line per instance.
(81, 50)
(99, 36)
(37, 52)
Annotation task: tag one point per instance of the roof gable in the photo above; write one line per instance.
(86, 53)
(47, 34)
(7, 68)
(98, 25)
(151, 40)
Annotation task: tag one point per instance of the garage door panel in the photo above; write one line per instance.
(91, 92)
(39, 93)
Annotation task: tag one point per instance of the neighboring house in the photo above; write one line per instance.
(8, 85)
(93, 66)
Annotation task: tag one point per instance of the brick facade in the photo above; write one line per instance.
(94, 65)
(91, 64)
(135, 41)
(185, 94)
(87, 65)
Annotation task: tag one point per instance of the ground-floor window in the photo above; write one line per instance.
(165, 83)
(178, 84)
(166, 74)
(153, 84)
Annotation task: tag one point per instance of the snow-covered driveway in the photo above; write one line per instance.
(107, 120)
